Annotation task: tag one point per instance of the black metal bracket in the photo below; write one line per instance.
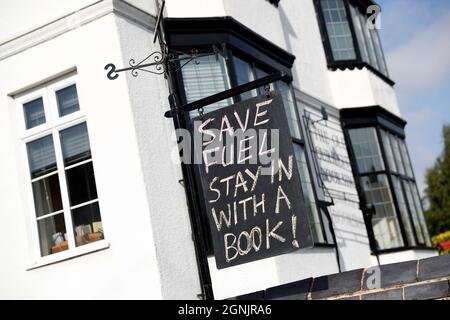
(227, 94)
(161, 62)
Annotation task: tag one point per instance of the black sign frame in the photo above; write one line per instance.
(282, 225)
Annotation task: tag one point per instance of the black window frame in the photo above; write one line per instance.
(358, 63)
(274, 2)
(380, 119)
(235, 40)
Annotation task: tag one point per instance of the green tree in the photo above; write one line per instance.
(438, 190)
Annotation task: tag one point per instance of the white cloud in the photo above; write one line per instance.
(424, 61)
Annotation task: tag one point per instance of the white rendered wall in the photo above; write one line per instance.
(195, 8)
(25, 15)
(362, 88)
(129, 268)
(261, 17)
(147, 6)
(384, 94)
(155, 136)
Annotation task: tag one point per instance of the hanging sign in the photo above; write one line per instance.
(250, 182)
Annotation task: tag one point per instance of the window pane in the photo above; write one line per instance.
(52, 234)
(419, 209)
(47, 195)
(414, 212)
(360, 34)
(261, 74)
(324, 213)
(205, 78)
(244, 75)
(405, 157)
(289, 106)
(366, 149)
(34, 113)
(308, 194)
(338, 30)
(87, 224)
(41, 156)
(67, 100)
(385, 223)
(81, 184)
(403, 211)
(369, 42)
(397, 155)
(388, 150)
(75, 144)
(379, 52)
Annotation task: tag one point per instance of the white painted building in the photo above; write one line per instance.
(92, 201)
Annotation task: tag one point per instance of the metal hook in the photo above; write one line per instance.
(194, 55)
(112, 75)
(267, 90)
(201, 111)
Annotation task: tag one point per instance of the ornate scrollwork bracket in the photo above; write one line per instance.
(160, 62)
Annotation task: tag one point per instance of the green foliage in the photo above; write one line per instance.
(438, 191)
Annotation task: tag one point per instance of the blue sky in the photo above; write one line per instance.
(416, 41)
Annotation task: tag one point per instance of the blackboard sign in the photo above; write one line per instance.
(250, 181)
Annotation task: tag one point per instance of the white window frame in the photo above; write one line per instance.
(53, 126)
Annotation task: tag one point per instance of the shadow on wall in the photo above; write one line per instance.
(288, 30)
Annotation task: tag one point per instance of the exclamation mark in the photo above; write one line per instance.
(294, 231)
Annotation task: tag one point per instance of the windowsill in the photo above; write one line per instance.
(359, 65)
(386, 251)
(69, 254)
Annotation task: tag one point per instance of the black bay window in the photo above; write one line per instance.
(385, 177)
(244, 56)
(350, 37)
